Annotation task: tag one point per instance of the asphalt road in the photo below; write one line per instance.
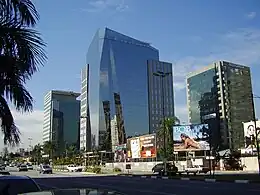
(145, 186)
(137, 185)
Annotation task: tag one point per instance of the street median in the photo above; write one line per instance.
(235, 178)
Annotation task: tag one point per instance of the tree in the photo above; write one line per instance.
(71, 150)
(21, 54)
(36, 153)
(167, 129)
(48, 148)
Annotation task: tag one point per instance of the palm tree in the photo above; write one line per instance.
(167, 127)
(167, 131)
(37, 153)
(48, 148)
(71, 150)
(21, 54)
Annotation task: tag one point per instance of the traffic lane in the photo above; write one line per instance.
(36, 174)
(149, 186)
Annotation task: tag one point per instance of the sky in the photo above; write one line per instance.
(189, 34)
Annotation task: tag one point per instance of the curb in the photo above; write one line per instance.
(190, 179)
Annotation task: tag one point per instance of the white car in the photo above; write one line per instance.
(74, 168)
(29, 167)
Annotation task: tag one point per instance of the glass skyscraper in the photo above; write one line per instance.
(61, 119)
(221, 96)
(115, 87)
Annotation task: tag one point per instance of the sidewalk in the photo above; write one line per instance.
(65, 172)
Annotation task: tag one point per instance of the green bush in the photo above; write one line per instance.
(116, 169)
(96, 170)
(88, 169)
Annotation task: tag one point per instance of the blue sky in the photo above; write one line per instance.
(190, 34)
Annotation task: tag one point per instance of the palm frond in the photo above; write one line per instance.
(24, 47)
(8, 127)
(21, 11)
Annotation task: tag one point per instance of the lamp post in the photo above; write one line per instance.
(162, 75)
(256, 134)
(30, 144)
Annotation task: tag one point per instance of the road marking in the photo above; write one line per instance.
(165, 178)
(241, 181)
(185, 178)
(153, 177)
(210, 180)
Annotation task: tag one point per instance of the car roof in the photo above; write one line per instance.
(13, 177)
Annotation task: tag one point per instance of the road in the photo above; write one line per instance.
(137, 185)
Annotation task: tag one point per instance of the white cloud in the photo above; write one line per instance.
(101, 5)
(251, 15)
(181, 111)
(30, 126)
(241, 46)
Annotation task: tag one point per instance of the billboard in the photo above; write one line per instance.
(148, 146)
(143, 146)
(120, 153)
(191, 137)
(135, 147)
(250, 135)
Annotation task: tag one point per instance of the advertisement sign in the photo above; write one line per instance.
(191, 137)
(250, 135)
(135, 147)
(142, 146)
(148, 146)
(120, 153)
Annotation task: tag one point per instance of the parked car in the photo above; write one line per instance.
(2, 167)
(22, 168)
(45, 169)
(171, 169)
(74, 168)
(197, 169)
(29, 166)
(17, 185)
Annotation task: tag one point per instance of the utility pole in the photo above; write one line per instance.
(256, 133)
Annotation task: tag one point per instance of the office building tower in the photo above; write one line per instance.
(114, 133)
(160, 93)
(61, 119)
(221, 96)
(116, 81)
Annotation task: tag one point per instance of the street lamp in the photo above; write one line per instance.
(162, 75)
(256, 134)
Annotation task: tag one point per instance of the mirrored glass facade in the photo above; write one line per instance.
(221, 96)
(117, 82)
(61, 119)
(160, 93)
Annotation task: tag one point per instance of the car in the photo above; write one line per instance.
(171, 169)
(45, 169)
(11, 185)
(2, 167)
(29, 166)
(74, 168)
(197, 169)
(22, 168)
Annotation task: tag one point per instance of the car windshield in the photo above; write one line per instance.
(16, 186)
(45, 166)
(23, 166)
